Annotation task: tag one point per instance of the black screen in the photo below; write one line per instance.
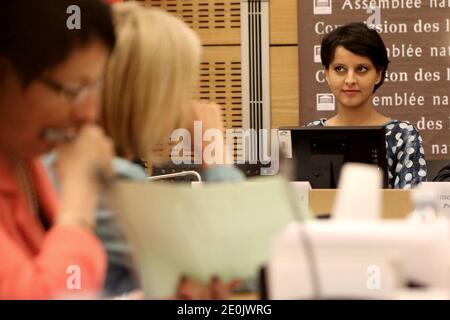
(320, 152)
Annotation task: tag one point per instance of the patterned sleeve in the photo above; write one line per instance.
(408, 157)
(316, 123)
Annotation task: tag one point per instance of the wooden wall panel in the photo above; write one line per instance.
(218, 25)
(217, 22)
(284, 86)
(220, 81)
(284, 63)
(283, 22)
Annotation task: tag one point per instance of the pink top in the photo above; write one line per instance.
(64, 261)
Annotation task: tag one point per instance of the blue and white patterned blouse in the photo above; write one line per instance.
(404, 151)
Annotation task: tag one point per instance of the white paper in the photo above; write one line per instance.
(219, 229)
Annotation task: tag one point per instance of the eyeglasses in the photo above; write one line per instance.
(75, 95)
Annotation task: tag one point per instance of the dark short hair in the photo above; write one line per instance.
(34, 36)
(359, 39)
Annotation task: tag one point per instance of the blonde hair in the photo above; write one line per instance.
(149, 78)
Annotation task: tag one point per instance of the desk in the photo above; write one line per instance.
(402, 294)
(244, 296)
(397, 203)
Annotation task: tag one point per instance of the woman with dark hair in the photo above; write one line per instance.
(50, 78)
(355, 61)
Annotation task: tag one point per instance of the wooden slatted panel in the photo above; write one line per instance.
(205, 17)
(220, 82)
(217, 22)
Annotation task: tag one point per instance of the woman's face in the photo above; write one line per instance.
(27, 113)
(352, 78)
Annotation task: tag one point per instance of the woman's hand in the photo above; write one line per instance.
(190, 289)
(82, 165)
(208, 115)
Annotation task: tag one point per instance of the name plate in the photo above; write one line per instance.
(285, 142)
(301, 192)
(442, 195)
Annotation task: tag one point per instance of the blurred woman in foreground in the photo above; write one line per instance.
(49, 91)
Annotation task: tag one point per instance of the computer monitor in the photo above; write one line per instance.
(320, 152)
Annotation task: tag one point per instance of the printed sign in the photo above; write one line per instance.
(417, 37)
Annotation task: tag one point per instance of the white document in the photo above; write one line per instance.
(221, 229)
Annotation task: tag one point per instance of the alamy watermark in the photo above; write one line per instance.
(73, 22)
(374, 20)
(212, 147)
(73, 281)
(374, 277)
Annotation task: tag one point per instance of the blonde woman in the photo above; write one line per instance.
(149, 81)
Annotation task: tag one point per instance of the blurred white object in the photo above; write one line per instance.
(441, 193)
(196, 184)
(359, 260)
(359, 193)
(424, 198)
(285, 143)
(300, 192)
(222, 229)
(176, 175)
